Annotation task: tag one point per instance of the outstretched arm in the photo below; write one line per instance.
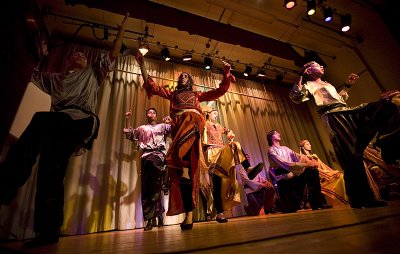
(350, 81)
(223, 87)
(140, 60)
(118, 41)
(299, 94)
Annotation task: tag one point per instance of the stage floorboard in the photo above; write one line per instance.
(337, 230)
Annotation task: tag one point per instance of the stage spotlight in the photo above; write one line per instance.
(311, 7)
(165, 54)
(345, 21)
(187, 57)
(289, 4)
(248, 70)
(143, 48)
(328, 14)
(208, 62)
(261, 72)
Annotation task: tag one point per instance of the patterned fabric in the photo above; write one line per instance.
(187, 129)
(150, 137)
(214, 133)
(332, 181)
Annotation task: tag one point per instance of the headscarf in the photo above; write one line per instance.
(301, 145)
(388, 95)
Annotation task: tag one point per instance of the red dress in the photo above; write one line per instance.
(187, 128)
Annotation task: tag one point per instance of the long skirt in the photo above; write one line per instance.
(185, 151)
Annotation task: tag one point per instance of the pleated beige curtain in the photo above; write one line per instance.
(102, 187)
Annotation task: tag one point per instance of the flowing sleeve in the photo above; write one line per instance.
(132, 134)
(153, 89)
(42, 80)
(299, 95)
(278, 161)
(217, 92)
(103, 66)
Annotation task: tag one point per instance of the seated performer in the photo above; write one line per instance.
(293, 172)
(260, 193)
(352, 129)
(332, 182)
(151, 138)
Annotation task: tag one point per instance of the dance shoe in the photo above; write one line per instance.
(42, 240)
(186, 226)
(150, 224)
(221, 220)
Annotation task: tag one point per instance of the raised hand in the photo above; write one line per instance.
(167, 120)
(352, 79)
(227, 71)
(123, 24)
(230, 135)
(128, 114)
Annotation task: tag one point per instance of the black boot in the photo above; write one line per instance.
(186, 193)
(43, 239)
(150, 224)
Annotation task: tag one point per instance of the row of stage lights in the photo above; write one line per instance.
(208, 61)
(345, 20)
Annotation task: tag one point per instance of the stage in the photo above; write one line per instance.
(337, 230)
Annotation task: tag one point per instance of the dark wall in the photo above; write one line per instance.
(18, 60)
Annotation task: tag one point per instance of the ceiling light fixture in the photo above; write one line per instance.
(143, 48)
(208, 62)
(248, 70)
(328, 14)
(187, 57)
(261, 72)
(311, 7)
(289, 4)
(345, 21)
(165, 54)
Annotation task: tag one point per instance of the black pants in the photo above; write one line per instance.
(152, 179)
(291, 190)
(217, 196)
(351, 132)
(54, 136)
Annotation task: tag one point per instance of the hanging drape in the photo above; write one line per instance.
(102, 187)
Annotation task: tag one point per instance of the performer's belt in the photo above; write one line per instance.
(154, 150)
(181, 111)
(328, 108)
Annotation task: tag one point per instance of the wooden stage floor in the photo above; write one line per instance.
(337, 230)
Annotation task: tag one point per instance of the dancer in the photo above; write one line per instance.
(332, 182)
(293, 172)
(351, 129)
(151, 138)
(185, 159)
(72, 124)
(221, 161)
